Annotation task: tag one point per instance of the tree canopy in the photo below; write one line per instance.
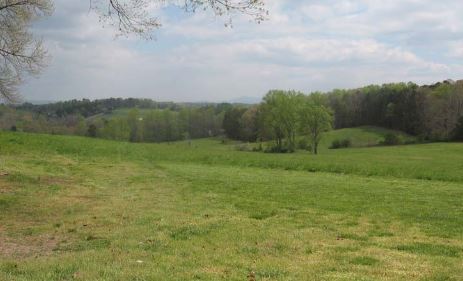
(315, 119)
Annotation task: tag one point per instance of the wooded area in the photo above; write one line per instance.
(432, 112)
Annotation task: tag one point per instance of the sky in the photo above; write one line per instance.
(305, 45)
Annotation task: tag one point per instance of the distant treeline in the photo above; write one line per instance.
(136, 120)
(160, 125)
(432, 112)
(88, 108)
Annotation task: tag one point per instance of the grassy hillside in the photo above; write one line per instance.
(362, 136)
(436, 161)
(83, 209)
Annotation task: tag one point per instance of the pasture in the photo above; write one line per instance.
(75, 208)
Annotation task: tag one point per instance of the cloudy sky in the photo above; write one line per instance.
(305, 45)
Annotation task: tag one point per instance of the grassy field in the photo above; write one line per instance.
(83, 209)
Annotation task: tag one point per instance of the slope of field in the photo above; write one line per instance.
(83, 209)
(366, 136)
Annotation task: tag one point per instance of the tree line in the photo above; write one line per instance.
(135, 120)
(288, 119)
(160, 125)
(433, 112)
(87, 108)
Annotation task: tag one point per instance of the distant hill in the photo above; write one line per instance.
(246, 100)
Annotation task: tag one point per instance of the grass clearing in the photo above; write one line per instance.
(82, 209)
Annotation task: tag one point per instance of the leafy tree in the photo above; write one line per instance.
(232, 124)
(249, 124)
(315, 119)
(116, 128)
(280, 113)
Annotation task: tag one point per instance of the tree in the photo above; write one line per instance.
(315, 119)
(92, 131)
(458, 132)
(134, 122)
(232, 123)
(20, 52)
(249, 124)
(280, 110)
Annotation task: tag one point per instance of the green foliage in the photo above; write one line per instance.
(243, 147)
(393, 139)
(433, 112)
(232, 123)
(345, 143)
(304, 144)
(250, 124)
(458, 131)
(289, 113)
(92, 131)
(280, 111)
(315, 119)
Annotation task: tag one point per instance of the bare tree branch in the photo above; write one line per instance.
(133, 16)
(20, 52)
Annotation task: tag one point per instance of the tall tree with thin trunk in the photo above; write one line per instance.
(315, 119)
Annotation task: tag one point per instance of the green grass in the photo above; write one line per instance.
(366, 136)
(83, 209)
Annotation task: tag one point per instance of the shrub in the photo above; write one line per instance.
(393, 139)
(345, 143)
(335, 144)
(276, 149)
(243, 147)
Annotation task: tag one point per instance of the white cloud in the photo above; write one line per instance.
(306, 45)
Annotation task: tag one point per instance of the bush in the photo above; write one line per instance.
(243, 147)
(393, 139)
(276, 149)
(345, 143)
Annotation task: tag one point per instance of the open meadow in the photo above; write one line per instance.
(237, 140)
(75, 208)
